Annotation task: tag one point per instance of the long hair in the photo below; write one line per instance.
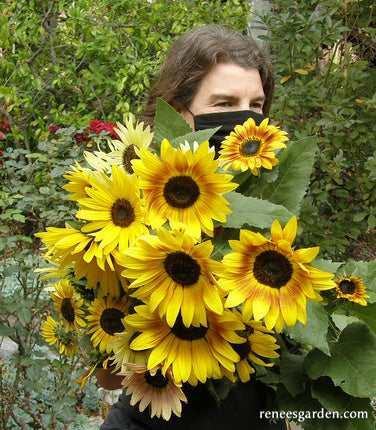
(191, 57)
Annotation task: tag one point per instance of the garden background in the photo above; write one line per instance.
(66, 63)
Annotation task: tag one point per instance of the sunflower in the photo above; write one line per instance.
(106, 320)
(250, 146)
(79, 179)
(352, 289)
(68, 246)
(195, 352)
(183, 188)
(123, 353)
(68, 304)
(272, 279)
(259, 343)
(94, 358)
(173, 275)
(114, 211)
(151, 387)
(55, 333)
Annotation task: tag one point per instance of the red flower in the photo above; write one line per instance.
(81, 137)
(53, 129)
(97, 126)
(4, 125)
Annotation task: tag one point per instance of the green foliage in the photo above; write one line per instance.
(326, 84)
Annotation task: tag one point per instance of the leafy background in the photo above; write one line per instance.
(65, 63)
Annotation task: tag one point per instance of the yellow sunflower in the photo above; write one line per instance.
(250, 146)
(123, 353)
(105, 318)
(79, 179)
(115, 212)
(174, 276)
(151, 387)
(68, 304)
(352, 289)
(197, 351)
(68, 246)
(55, 333)
(183, 187)
(259, 343)
(272, 279)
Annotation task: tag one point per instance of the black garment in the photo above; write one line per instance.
(239, 411)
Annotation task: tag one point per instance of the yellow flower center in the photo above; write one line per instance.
(182, 268)
(347, 287)
(181, 191)
(129, 154)
(188, 333)
(122, 213)
(273, 269)
(67, 310)
(110, 321)
(250, 147)
(157, 380)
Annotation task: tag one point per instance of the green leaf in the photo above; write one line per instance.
(295, 168)
(6, 331)
(255, 212)
(330, 396)
(168, 124)
(352, 365)
(367, 314)
(314, 332)
(24, 315)
(293, 373)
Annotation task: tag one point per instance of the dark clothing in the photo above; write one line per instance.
(239, 411)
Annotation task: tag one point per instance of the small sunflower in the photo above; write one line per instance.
(151, 387)
(195, 352)
(114, 211)
(55, 333)
(183, 187)
(105, 318)
(79, 179)
(272, 279)
(259, 343)
(68, 304)
(352, 289)
(174, 276)
(95, 358)
(123, 353)
(250, 146)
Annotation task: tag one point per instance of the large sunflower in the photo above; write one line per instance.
(68, 303)
(184, 188)
(55, 333)
(352, 289)
(250, 146)
(272, 279)
(194, 353)
(174, 276)
(151, 387)
(105, 318)
(115, 212)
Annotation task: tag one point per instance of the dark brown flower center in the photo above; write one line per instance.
(67, 310)
(110, 321)
(182, 268)
(181, 192)
(129, 154)
(347, 287)
(243, 349)
(122, 213)
(156, 381)
(250, 147)
(188, 333)
(273, 269)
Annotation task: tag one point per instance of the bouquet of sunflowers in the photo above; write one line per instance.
(181, 268)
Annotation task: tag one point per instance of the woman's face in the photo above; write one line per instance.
(227, 87)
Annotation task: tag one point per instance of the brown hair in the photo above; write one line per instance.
(193, 54)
